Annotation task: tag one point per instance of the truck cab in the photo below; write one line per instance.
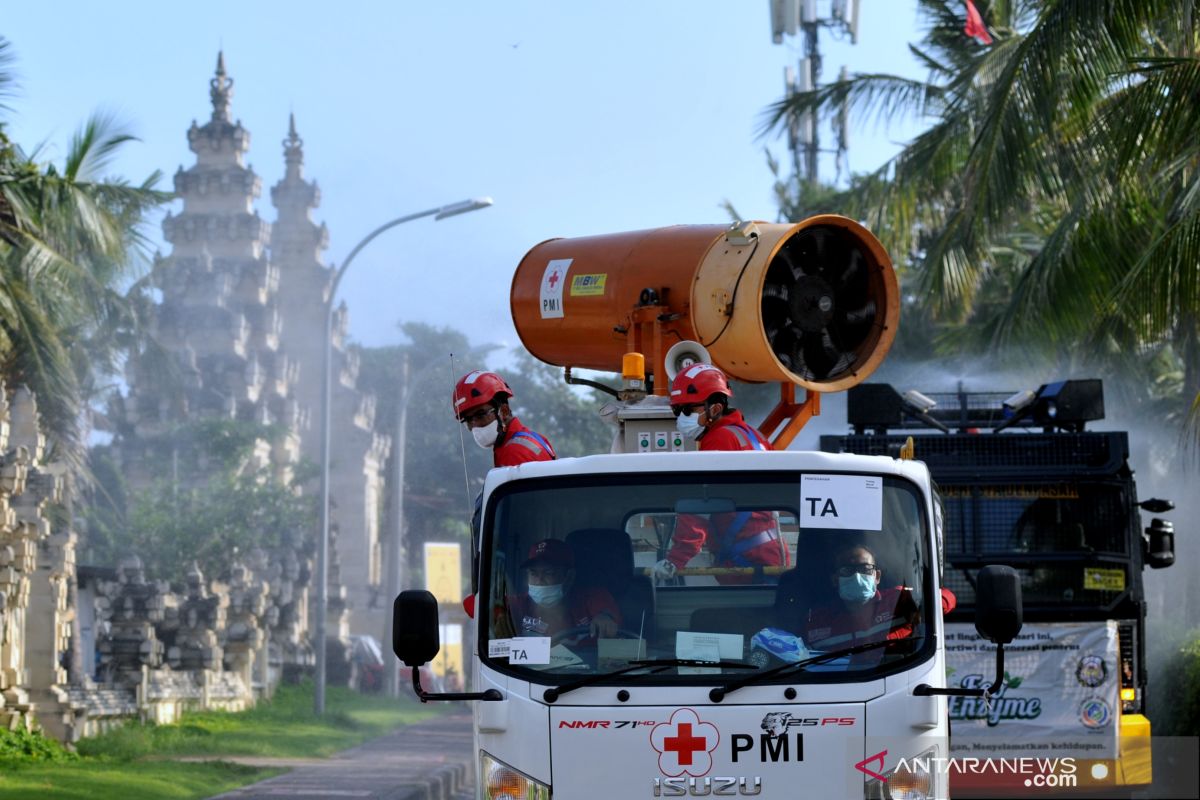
(711, 683)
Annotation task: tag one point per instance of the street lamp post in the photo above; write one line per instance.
(441, 212)
(395, 559)
(395, 562)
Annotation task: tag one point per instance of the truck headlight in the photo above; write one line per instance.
(912, 779)
(502, 782)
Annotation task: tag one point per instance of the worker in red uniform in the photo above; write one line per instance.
(864, 612)
(481, 403)
(700, 396)
(553, 603)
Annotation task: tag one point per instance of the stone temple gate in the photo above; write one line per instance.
(241, 315)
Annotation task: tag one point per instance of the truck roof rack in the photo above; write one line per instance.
(1004, 458)
(1063, 405)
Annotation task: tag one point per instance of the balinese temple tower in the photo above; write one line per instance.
(358, 453)
(241, 317)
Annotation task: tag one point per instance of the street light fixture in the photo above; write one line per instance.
(441, 212)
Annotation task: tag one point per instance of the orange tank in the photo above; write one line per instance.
(814, 303)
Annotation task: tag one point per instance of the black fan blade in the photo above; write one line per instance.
(797, 363)
(854, 269)
(775, 291)
(861, 316)
(819, 355)
(785, 255)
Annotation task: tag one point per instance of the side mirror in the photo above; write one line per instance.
(415, 641)
(1156, 505)
(998, 610)
(1159, 549)
(415, 628)
(998, 618)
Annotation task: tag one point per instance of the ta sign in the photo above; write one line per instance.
(846, 502)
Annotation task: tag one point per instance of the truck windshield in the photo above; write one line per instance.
(1068, 541)
(758, 570)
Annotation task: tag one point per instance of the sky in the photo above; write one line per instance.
(577, 118)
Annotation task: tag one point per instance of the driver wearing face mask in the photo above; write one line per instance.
(481, 403)
(553, 604)
(863, 612)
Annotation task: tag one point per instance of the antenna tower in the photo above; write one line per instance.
(803, 18)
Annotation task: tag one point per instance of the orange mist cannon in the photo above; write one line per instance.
(813, 304)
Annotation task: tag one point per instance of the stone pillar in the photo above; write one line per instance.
(131, 606)
(288, 572)
(245, 639)
(34, 617)
(202, 617)
(48, 639)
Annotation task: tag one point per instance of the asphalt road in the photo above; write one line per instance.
(426, 761)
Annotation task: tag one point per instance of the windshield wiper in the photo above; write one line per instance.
(718, 694)
(657, 664)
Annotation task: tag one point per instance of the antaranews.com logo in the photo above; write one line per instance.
(1049, 773)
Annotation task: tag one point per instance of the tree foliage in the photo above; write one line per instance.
(70, 255)
(1051, 207)
(210, 503)
(444, 469)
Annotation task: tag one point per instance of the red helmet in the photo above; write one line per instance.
(477, 389)
(697, 383)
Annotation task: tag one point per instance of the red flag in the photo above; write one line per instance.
(975, 27)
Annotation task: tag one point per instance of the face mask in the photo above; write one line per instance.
(546, 595)
(856, 588)
(689, 425)
(486, 436)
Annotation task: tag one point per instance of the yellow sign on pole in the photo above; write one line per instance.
(449, 661)
(443, 571)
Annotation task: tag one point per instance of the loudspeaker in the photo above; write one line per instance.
(683, 355)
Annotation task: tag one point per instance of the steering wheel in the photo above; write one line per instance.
(585, 632)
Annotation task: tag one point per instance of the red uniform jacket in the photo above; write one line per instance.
(887, 615)
(738, 540)
(520, 445)
(732, 432)
(582, 607)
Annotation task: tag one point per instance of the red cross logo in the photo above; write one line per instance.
(685, 744)
(553, 278)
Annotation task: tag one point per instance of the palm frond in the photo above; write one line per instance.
(94, 146)
(874, 97)
(8, 80)
(1164, 284)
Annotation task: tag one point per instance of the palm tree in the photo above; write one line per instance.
(1058, 176)
(69, 242)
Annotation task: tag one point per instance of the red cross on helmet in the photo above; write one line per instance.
(697, 383)
(477, 389)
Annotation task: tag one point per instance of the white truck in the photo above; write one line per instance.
(726, 679)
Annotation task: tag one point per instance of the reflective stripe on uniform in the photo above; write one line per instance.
(745, 438)
(528, 442)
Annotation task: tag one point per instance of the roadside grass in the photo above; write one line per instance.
(100, 779)
(135, 760)
(286, 727)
